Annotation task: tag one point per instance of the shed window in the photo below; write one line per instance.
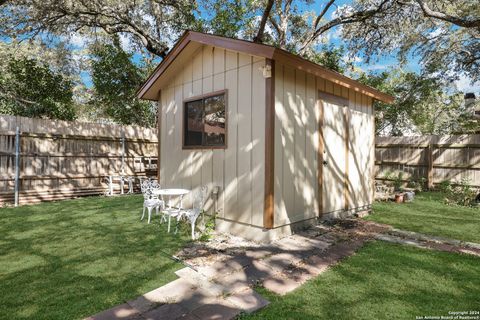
(205, 121)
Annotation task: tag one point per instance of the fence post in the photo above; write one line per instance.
(430, 166)
(17, 164)
(123, 152)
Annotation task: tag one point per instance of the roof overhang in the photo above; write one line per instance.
(191, 41)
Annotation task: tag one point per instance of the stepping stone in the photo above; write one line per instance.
(294, 243)
(281, 261)
(248, 300)
(234, 282)
(200, 281)
(123, 312)
(218, 310)
(165, 312)
(196, 299)
(258, 271)
(280, 284)
(261, 252)
(170, 293)
(320, 264)
(228, 266)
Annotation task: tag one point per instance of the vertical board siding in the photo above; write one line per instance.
(236, 169)
(231, 181)
(297, 143)
(279, 201)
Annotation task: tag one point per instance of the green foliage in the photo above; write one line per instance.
(447, 40)
(418, 184)
(332, 57)
(461, 194)
(31, 89)
(444, 186)
(116, 79)
(398, 182)
(209, 228)
(424, 104)
(227, 17)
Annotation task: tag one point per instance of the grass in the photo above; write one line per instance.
(429, 215)
(71, 259)
(383, 281)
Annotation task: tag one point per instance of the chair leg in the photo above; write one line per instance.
(168, 229)
(149, 213)
(176, 226)
(193, 230)
(143, 213)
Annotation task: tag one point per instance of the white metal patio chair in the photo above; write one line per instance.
(151, 200)
(198, 203)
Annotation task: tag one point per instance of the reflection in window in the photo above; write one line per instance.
(205, 121)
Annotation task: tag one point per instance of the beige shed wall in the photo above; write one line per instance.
(238, 169)
(297, 117)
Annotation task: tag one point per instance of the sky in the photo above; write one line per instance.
(333, 37)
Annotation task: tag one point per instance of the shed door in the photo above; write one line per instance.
(335, 152)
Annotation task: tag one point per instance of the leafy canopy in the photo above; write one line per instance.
(31, 89)
(116, 78)
(423, 105)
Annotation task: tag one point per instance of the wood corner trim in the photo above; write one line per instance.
(269, 202)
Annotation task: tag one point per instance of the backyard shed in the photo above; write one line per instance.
(284, 141)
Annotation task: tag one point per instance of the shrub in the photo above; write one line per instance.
(417, 184)
(461, 194)
(398, 182)
(209, 227)
(444, 186)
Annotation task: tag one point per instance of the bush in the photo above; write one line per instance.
(417, 184)
(444, 186)
(398, 182)
(461, 194)
(209, 227)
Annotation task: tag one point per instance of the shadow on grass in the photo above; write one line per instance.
(70, 259)
(384, 281)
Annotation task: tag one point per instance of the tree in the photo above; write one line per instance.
(31, 89)
(423, 104)
(152, 24)
(444, 34)
(115, 81)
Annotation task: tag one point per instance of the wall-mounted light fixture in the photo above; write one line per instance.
(266, 71)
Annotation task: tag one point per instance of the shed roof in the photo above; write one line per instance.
(191, 41)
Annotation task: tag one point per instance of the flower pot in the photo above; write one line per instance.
(399, 198)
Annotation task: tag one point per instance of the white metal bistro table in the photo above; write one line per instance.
(170, 193)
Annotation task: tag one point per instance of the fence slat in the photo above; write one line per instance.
(433, 158)
(51, 159)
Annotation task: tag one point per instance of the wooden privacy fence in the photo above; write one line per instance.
(434, 158)
(50, 159)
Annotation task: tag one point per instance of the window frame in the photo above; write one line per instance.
(203, 97)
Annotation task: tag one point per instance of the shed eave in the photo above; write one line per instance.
(256, 49)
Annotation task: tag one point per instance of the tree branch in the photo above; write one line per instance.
(461, 22)
(320, 16)
(266, 13)
(349, 18)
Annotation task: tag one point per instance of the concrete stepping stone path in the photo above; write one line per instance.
(223, 289)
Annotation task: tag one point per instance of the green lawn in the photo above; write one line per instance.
(428, 215)
(71, 259)
(384, 281)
